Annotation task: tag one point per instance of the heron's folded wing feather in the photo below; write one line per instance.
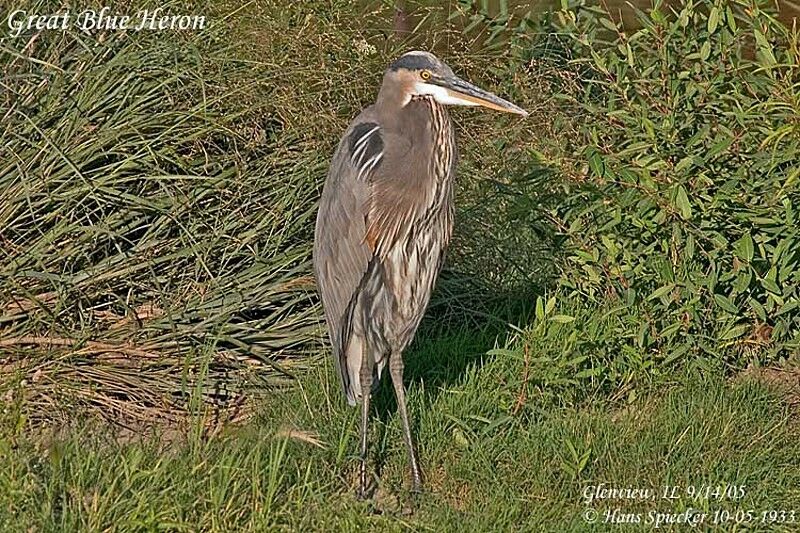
(341, 253)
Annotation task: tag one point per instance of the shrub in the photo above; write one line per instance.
(679, 160)
(684, 178)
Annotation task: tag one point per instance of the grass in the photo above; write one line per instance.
(138, 259)
(293, 467)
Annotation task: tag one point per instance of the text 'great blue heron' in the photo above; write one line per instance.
(384, 222)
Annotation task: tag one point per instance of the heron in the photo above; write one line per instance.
(384, 222)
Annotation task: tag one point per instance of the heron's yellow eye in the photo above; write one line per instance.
(425, 75)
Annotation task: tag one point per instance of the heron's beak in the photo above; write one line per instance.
(468, 94)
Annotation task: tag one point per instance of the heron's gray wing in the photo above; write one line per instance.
(341, 252)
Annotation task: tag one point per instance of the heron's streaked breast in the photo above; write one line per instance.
(414, 261)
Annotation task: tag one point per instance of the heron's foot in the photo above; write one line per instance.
(367, 492)
(366, 486)
(415, 497)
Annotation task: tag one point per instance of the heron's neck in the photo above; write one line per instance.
(441, 132)
(396, 107)
(391, 101)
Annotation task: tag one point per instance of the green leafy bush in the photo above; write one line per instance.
(678, 164)
(685, 176)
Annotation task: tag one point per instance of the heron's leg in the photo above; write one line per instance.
(396, 370)
(365, 377)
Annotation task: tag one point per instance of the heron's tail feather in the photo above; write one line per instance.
(350, 367)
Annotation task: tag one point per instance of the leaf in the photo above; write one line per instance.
(788, 306)
(503, 352)
(596, 164)
(759, 310)
(713, 19)
(684, 163)
(719, 147)
(764, 48)
(551, 304)
(744, 248)
(689, 250)
(609, 24)
(562, 319)
(743, 279)
(671, 329)
(774, 300)
(771, 286)
(734, 332)
(676, 353)
(725, 303)
(575, 361)
(589, 372)
(683, 204)
(730, 19)
(599, 61)
(661, 291)
(705, 50)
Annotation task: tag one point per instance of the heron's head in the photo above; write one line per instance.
(422, 74)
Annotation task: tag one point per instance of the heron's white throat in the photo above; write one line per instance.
(440, 94)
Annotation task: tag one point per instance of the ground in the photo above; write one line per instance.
(717, 446)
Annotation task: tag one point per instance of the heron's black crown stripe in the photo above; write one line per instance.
(414, 62)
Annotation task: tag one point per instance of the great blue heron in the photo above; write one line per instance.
(384, 221)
